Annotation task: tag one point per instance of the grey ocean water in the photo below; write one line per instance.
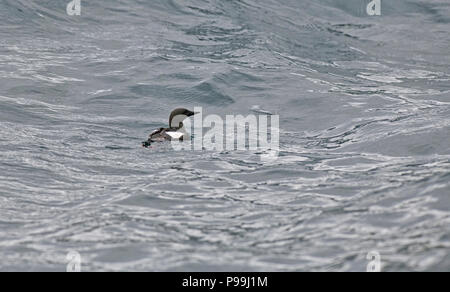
(364, 106)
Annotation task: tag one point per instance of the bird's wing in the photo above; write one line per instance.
(160, 135)
(156, 132)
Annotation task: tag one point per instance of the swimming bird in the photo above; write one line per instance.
(175, 130)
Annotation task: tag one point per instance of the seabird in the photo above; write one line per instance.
(175, 130)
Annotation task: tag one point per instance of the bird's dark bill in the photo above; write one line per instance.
(190, 114)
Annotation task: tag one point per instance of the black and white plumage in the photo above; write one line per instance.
(174, 131)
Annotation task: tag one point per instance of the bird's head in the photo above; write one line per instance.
(178, 116)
